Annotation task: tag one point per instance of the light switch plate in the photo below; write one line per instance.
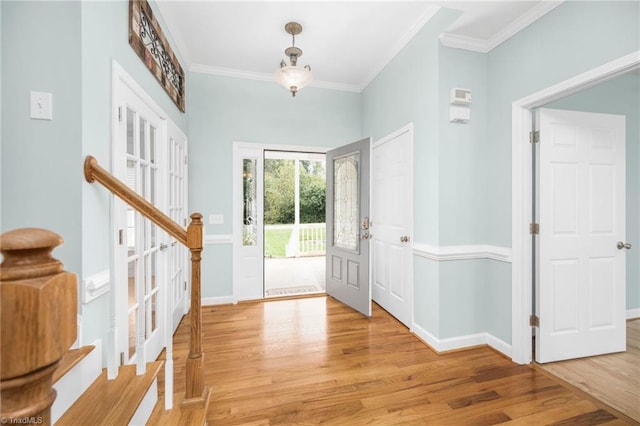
(216, 219)
(41, 106)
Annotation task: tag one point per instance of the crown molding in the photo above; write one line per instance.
(485, 46)
(457, 41)
(430, 12)
(231, 72)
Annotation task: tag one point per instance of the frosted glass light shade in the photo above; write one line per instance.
(293, 78)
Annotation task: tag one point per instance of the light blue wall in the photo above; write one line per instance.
(463, 160)
(104, 39)
(66, 48)
(620, 96)
(225, 109)
(406, 91)
(41, 159)
(569, 40)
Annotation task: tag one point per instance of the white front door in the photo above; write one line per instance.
(347, 246)
(139, 162)
(178, 274)
(581, 200)
(392, 222)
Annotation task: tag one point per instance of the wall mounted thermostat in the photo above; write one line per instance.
(459, 114)
(460, 96)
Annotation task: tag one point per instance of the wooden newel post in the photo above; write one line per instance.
(39, 303)
(196, 392)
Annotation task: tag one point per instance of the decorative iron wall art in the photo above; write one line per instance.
(148, 41)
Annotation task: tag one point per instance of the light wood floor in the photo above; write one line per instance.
(613, 379)
(313, 360)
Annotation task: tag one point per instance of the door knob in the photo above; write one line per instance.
(404, 239)
(622, 245)
(163, 247)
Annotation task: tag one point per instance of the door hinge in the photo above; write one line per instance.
(534, 136)
(185, 286)
(534, 228)
(120, 236)
(121, 358)
(185, 159)
(119, 114)
(534, 321)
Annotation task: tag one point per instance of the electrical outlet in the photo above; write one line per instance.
(41, 106)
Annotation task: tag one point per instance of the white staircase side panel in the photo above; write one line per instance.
(143, 413)
(76, 381)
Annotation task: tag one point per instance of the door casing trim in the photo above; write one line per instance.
(521, 191)
(236, 235)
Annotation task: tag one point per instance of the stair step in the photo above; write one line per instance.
(70, 360)
(192, 415)
(112, 402)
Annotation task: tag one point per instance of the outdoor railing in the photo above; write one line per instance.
(307, 239)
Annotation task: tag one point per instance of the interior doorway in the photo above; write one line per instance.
(611, 378)
(522, 186)
(294, 223)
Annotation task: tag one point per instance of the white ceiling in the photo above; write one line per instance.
(346, 43)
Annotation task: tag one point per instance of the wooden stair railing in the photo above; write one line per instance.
(196, 392)
(39, 303)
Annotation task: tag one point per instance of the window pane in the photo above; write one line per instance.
(152, 144)
(132, 332)
(130, 131)
(250, 230)
(153, 270)
(346, 202)
(132, 283)
(143, 139)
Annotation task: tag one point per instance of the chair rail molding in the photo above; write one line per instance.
(462, 252)
(95, 285)
(218, 239)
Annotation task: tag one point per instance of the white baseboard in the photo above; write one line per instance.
(461, 342)
(633, 313)
(499, 345)
(222, 300)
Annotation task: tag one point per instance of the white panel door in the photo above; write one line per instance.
(392, 222)
(581, 280)
(347, 203)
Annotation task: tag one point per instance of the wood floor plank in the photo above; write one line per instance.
(614, 378)
(315, 361)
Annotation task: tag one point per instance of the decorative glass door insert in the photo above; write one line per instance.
(346, 206)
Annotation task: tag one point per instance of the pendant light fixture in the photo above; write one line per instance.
(293, 77)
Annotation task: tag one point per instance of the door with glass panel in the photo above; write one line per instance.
(138, 304)
(347, 203)
(177, 210)
(248, 230)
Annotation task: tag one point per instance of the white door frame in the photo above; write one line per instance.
(238, 147)
(521, 191)
(120, 79)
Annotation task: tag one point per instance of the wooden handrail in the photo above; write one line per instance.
(93, 172)
(196, 392)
